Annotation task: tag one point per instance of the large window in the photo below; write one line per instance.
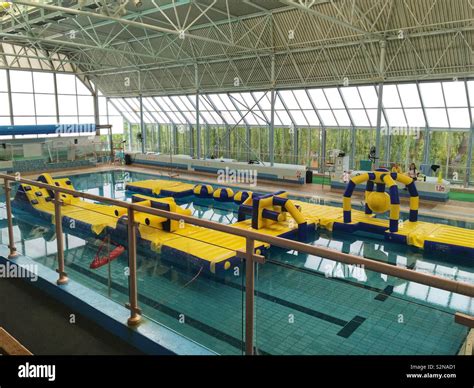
(449, 150)
(32, 98)
(309, 146)
(4, 99)
(237, 124)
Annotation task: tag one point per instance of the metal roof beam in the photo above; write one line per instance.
(132, 23)
(328, 18)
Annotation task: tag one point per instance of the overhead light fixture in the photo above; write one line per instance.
(4, 5)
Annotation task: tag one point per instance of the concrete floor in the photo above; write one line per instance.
(42, 324)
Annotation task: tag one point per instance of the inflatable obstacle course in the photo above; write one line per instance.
(89, 217)
(203, 191)
(223, 194)
(425, 235)
(379, 201)
(161, 187)
(269, 219)
(211, 250)
(194, 243)
(241, 196)
(274, 214)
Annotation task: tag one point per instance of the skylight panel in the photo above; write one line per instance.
(298, 117)
(359, 117)
(342, 117)
(185, 100)
(228, 117)
(396, 117)
(409, 95)
(437, 117)
(372, 113)
(455, 94)
(415, 117)
(390, 98)
(432, 94)
(327, 117)
(288, 99)
(318, 98)
(459, 118)
(22, 81)
(204, 103)
(302, 98)
(351, 97)
(218, 103)
(334, 98)
(369, 96)
(3, 81)
(43, 82)
(312, 118)
(284, 117)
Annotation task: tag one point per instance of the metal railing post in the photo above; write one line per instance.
(250, 259)
(135, 317)
(11, 237)
(249, 297)
(63, 279)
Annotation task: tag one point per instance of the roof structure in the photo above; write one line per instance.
(163, 47)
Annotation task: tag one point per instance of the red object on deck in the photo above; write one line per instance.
(100, 261)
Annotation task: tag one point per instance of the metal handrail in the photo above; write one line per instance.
(250, 235)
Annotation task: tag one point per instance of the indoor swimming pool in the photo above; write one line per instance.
(304, 304)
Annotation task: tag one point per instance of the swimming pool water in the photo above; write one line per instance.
(304, 304)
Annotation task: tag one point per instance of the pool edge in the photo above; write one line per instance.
(149, 337)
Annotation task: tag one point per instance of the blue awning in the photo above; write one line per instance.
(46, 129)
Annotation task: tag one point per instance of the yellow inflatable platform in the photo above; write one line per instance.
(270, 214)
(96, 216)
(424, 235)
(161, 187)
(215, 248)
(212, 250)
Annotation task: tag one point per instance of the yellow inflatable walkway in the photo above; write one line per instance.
(98, 216)
(326, 216)
(157, 187)
(217, 250)
(213, 247)
(425, 235)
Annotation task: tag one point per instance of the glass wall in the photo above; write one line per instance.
(239, 147)
(449, 150)
(165, 138)
(4, 99)
(237, 125)
(37, 97)
(309, 143)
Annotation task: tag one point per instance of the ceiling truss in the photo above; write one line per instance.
(155, 49)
